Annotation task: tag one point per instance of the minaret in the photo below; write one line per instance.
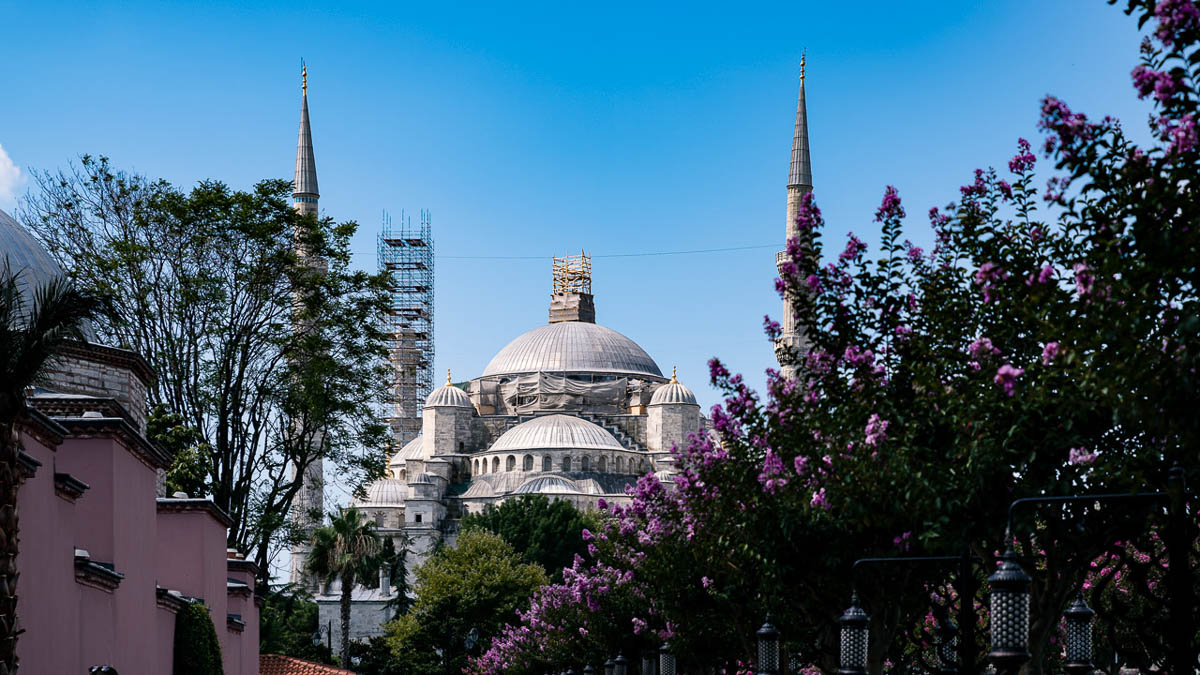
(310, 499)
(799, 184)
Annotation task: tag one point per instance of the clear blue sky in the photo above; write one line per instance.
(539, 129)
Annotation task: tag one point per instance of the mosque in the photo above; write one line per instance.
(571, 409)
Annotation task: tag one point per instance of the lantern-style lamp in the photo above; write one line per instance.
(1009, 614)
(609, 667)
(1078, 619)
(854, 624)
(666, 661)
(589, 670)
(622, 665)
(947, 646)
(768, 649)
(649, 661)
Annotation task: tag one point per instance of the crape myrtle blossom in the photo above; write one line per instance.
(1006, 377)
(987, 277)
(1049, 353)
(1024, 160)
(1175, 17)
(1147, 81)
(1080, 456)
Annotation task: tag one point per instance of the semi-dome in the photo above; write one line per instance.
(673, 393)
(572, 347)
(384, 492)
(556, 432)
(448, 396)
(547, 485)
(25, 255)
(411, 450)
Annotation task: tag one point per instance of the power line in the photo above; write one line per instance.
(609, 255)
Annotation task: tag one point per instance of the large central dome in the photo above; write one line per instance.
(572, 347)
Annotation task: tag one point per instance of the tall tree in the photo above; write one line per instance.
(31, 332)
(541, 531)
(345, 550)
(209, 288)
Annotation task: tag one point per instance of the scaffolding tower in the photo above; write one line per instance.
(406, 255)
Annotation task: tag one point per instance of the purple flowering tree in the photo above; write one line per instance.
(1048, 344)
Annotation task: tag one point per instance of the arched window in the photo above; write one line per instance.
(475, 466)
(585, 464)
(460, 446)
(495, 464)
(566, 463)
(620, 465)
(527, 463)
(510, 463)
(403, 474)
(602, 465)
(546, 463)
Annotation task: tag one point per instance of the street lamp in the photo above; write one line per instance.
(648, 663)
(609, 667)
(622, 665)
(854, 639)
(1079, 636)
(666, 661)
(1010, 614)
(768, 649)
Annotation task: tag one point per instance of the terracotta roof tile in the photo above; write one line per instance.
(277, 664)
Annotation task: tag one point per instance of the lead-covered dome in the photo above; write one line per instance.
(673, 393)
(448, 396)
(384, 492)
(556, 432)
(547, 485)
(572, 347)
(25, 255)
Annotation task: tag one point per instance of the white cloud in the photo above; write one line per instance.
(12, 180)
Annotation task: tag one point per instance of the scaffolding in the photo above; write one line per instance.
(406, 255)
(573, 274)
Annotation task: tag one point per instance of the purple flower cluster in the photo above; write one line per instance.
(1049, 353)
(854, 248)
(1024, 160)
(773, 476)
(987, 277)
(890, 208)
(1042, 276)
(1084, 279)
(1070, 129)
(982, 348)
(1175, 17)
(1147, 81)
(876, 430)
(1080, 456)
(1006, 377)
(1181, 135)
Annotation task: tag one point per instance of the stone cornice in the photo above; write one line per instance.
(195, 505)
(98, 575)
(26, 464)
(69, 487)
(234, 623)
(241, 565)
(67, 406)
(113, 356)
(41, 427)
(168, 599)
(117, 428)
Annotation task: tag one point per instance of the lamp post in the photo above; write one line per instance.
(947, 645)
(1010, 614)
(609, 667)
(854, 629)
(589, 670)
(622, 665)
(666, 661)
(1078, 619)
(768, 649)
(649, 661)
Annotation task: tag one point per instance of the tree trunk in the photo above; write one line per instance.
(10, 480)
(347, 588)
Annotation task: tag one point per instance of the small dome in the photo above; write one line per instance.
(572, 347)
(25, 255)
(673, 393)
(547, 485)
(448, 396)
(411, 450)
(551, 432)
(384, 492)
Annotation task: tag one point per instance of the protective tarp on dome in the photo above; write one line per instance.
(546, 391)
(553, 432)
(572, 347)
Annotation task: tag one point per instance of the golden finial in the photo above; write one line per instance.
(803, 54)
(303, 77)
(448, 381)
(673, 379)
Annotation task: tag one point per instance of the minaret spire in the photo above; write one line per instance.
(793, 343)
(304, 190)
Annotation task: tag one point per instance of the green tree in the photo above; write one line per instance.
(34, 324)
(478, 584)
(267, 360)
(197, 649)
(287, 623)
(345, 550)
(540, 530)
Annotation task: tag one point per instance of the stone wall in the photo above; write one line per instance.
(93, 370)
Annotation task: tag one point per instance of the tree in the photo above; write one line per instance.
(34, 325)
(542, 531)
(197, 649)
(344, 550)
(287, 623)
(1047, 345)
(478, 584)
(267, 360)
